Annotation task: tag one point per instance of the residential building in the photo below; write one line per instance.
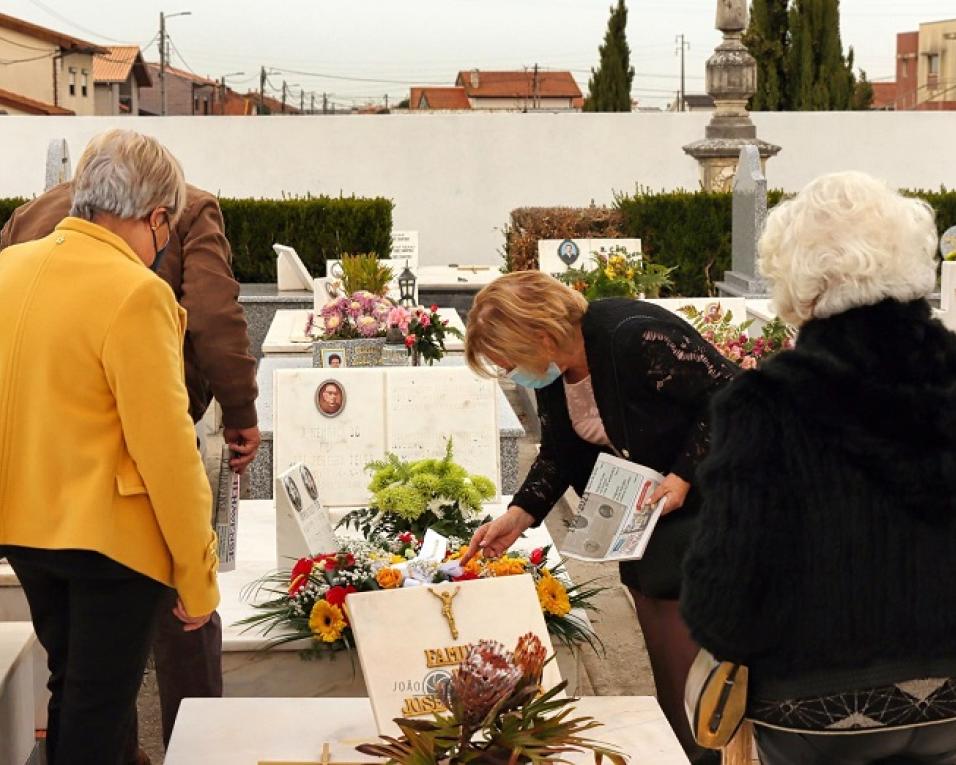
(187, 94)
(439, 98)
(925, 70)
(117, 78)
(532, 90)
(44, 71)
(250, 104)
(885, 95)
(693, 102)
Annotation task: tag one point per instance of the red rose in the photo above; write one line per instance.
(410, 341)
(434, 308)
(302, 567)
(330, 564)
(537, 557)
(336, 595)
(349, 560)
(405, 537)
(466, 575)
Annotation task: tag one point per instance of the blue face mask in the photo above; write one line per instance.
(526, 380)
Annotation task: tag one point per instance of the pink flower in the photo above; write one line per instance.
(434, 308)
(424, 321)
(332, 323)
(367, 326)
(748, 362)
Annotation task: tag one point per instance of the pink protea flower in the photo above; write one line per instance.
(332, 323)
(355, 309)
(488, 676)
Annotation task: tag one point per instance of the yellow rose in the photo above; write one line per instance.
(389, 578)
(326, 621)
(552, 596)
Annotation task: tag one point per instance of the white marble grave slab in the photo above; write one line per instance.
(303, 527)
(407, 647)
(555, 256)
(736, 306)
(335, 448)
(17, 692)
(291, 273)
(251, 731)
(425, 406)
(411, 411)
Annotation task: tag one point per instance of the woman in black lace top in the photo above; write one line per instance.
(619, 376)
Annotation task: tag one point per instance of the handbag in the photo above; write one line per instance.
(715, 698)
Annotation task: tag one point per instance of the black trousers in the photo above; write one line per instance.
(95, 618)
(929, 745)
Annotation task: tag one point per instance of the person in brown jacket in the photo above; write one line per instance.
(197, 265)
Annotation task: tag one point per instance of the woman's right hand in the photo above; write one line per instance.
(494, 538)
(190, 623)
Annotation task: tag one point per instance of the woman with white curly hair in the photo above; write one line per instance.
(825, 556)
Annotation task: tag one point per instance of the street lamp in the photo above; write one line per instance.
(222, 82)
(164, 55)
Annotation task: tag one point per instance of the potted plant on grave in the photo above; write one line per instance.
(353, 326)
(733, 341)
(423, 494)
(498, 714)
(619, 273)
(365, 273)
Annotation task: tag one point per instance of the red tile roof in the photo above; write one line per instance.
(116, 66)
(884, 95)
(438, 98)
(29, 105)
(482, 84)
(154, 71)
(67, 42)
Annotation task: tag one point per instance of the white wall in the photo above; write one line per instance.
(455, 177)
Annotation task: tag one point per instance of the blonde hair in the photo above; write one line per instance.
(513, 314)
(847, 240)
(127, 174)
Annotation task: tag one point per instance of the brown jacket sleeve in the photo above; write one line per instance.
(216, 322)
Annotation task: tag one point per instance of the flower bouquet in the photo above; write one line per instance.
(424, 330)
(306, 602)
(360, 315)
(421, 495)
(619, 273)
(733, 341)
(498, 714)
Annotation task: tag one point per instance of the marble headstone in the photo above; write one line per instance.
(749, 218)
(407, 644)
(405, 247)
(555, 256)
(303, 526)
(336, 421)
(58, 169)
(292, 275)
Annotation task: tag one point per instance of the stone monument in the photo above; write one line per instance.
(731, 80)
(749, 217)
(58, 169)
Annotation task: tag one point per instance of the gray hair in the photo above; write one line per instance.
(127, 174)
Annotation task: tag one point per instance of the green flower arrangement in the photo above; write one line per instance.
(425, 494)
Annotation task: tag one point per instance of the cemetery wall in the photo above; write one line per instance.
(456, 177)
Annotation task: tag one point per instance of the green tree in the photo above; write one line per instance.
(609, 89)
(768, 40)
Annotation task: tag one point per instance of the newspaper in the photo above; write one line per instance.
(227, 512)
(614, 520)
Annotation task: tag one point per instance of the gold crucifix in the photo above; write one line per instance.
(446, 597)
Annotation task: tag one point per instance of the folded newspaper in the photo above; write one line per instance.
(226, 512)
(615, 519)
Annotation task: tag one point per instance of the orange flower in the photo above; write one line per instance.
(508, 566)
(389, 578)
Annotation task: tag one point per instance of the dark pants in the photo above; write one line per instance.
(929, 745)
(95, 618)
(188, 664)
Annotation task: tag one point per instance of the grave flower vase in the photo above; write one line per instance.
(359, 352)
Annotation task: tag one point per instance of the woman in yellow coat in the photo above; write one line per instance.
(103, 500)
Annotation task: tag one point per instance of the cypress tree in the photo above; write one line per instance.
(767, 39)
(609, 89)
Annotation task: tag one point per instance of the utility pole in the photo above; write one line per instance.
(325, 103)
(284, 91)
(312, 103)
(162, 63)
(682, 45)
(262, 90)
(534, 89)
(301, 102)
(386, 102)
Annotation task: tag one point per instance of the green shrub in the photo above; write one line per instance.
(689, 230)
(319, 228)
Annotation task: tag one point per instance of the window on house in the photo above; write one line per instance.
(933, 60)
(195, 104)
(205, 106)
(86, 83)
(72, 81)
(904, 70)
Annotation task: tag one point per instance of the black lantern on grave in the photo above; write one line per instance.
(406, 287)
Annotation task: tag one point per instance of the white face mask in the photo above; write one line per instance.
(527, 380)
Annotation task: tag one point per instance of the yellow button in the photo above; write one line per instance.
(60, 239)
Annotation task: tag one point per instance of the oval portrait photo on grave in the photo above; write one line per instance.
(309, 482)
(293, 491)
(330, 398)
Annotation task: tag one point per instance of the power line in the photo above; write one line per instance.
(8, 62)
(72, 23)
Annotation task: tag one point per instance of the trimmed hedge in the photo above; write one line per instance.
(689, 230)
(319, 228)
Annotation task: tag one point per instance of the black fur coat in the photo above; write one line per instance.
(825, 557)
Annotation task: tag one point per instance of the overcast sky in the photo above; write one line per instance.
(366, 48)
